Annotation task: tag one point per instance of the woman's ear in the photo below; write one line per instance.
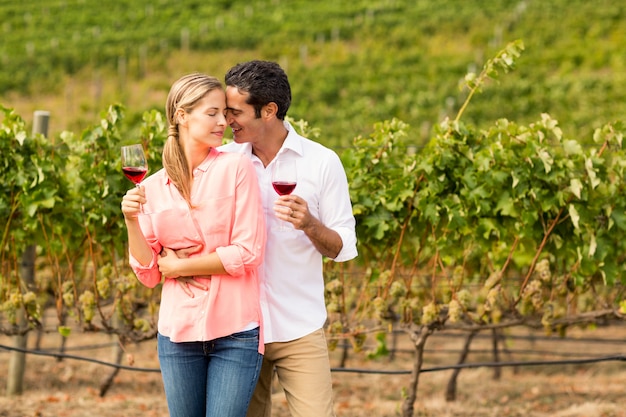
(180, 116)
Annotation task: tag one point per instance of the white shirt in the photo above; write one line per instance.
(292, 293)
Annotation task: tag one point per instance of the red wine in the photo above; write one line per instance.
(135, 174)
(284, 187)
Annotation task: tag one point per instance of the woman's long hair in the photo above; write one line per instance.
(184, 94)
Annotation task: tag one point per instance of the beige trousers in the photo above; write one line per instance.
(303, 370)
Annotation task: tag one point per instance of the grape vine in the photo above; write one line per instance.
(63, 195)
(507, 226)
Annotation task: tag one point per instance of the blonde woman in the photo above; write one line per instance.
(203, 238)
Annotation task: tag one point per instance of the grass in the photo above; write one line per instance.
(351, 64)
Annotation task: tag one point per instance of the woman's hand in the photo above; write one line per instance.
(132, 201)
(168, 262)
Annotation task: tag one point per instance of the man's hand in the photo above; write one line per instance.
(293, 209)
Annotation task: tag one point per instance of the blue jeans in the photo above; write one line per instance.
(210, 379)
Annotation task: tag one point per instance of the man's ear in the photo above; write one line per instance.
(269, 110)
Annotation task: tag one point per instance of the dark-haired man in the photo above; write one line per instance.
(258, 96)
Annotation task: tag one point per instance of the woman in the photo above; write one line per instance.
(198, 223)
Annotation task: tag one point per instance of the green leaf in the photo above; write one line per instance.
(574, 216)
(506, 206)
(431, 213)
(64, 331)
(488, 227)
(591, 173)
(546, 158)
(572, 147)
(575, 187)
(619, 217)
(20, 137)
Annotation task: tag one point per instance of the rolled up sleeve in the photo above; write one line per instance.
(247, 243)
(336, 208)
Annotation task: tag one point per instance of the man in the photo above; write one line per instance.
(319, 211)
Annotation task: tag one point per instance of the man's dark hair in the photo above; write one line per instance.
(265, 82)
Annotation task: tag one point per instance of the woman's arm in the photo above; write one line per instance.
(142, 255)
(175, 264)
(131, 208)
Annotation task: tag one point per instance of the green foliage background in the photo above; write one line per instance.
(379, 81)
(351, 63)
(508, 215)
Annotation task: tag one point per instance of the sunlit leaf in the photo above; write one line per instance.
(574, 215)
(576, 187)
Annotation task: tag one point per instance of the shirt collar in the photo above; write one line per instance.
(292, 141)
(203, 167)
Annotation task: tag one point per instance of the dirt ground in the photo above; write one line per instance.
(70, 388)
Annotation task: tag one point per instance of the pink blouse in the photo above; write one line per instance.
(227, 218)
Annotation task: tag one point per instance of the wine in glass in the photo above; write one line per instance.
(284, 179)
(134, 163)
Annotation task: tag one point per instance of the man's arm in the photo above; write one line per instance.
(326, 241)
(295, 210)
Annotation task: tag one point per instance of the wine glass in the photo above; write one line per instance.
(134, 163)
(284, 180)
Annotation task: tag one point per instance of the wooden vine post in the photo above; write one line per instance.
(17, 360)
